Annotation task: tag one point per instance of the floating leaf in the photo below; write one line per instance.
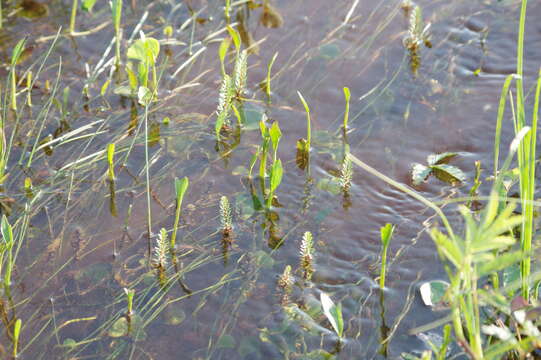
(443, 158)
(433, 292)
(333, 313)
(448, 173)
(174, 315)
(419, 173)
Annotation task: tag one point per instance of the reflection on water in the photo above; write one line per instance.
(218, 298)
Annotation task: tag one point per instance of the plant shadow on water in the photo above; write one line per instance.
(177, 177)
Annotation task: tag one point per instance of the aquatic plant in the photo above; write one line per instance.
(437, 165)
(224, 104)
(16, 334)
(130, 293)
(347, 96)
(225, 217)
(110, 161)
(74, 5)
(159, 255)
(526, 156)
(285, 285)
(386, 233)
(306, 250)
(6, 247)
(270, 17)
(15, 57)
(333, 313)
(181, 186)
(346, 174)
(303, 145)
(418, 34)
(267, 83)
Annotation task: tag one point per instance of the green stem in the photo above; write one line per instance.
(74, 6)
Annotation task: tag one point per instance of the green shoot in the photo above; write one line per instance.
(227, 11)
(7, 246)
(16, 334)
(29, 88)
(347, 95)
(110, 161)
(222, 52)
(268, 81)
(308, 129)
(159, 259)
(129, 296)
(386, 235)
(180, 189)
(15, 56)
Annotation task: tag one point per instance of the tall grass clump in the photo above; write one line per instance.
(526, 156)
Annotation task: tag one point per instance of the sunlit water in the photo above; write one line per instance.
(77, 257)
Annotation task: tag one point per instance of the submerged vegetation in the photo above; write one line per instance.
(86, 176)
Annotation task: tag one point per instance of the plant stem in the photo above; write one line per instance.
(74, 6)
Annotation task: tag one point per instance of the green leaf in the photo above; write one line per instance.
(144, 50)
(87, 5)
(123, 90)
(419, 173)
(333, 313)
(235, 36)
(17, 51)
(180, 189)
(447, 247)
(331, 185)
(276, 176)
(132, 79)
(448, 173)
(495, 243)
(499, 263)
(225, 342)
(386, 234)
(433, 292)
(275, 134)
(7, 232)
(438, 159)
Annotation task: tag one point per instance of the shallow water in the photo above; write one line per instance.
(77, 257)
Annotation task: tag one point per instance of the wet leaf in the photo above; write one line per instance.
(333, 313)
(119, 328)
(419, 173)
(174, 315)
(270, 17)
(448, 173)
(443, 158)
(433, 292)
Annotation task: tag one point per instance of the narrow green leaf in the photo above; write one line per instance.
(87, 5)
(386, 234)
(17, 51)
(180, 189)
(333, 314)
(7, 232)
(499, 263)
(235, 36)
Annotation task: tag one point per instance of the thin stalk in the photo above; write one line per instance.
(525, 162)
(267, 83)
(74, 6)
(147, 172)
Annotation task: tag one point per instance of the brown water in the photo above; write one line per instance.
(76, 257)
